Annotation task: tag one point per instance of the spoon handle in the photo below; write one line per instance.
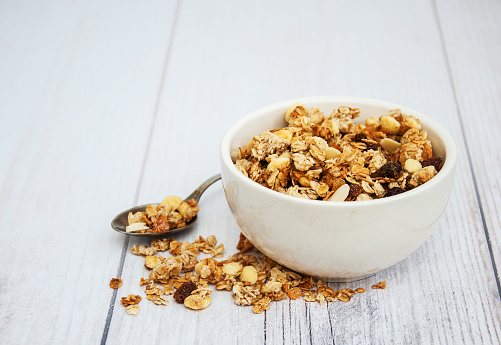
(199, 191)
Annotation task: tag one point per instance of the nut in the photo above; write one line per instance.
(294, 111)
(332, 153)
(136, 227)
(132, 309)
(390, 145)
(197, 302)
(371, 122)
(341, 193)
(284, 134)
(363, 197)
(389, 124)
(172, 200)
(334, 127)
(151, 261)
(279, 163)
(304, 181)
(232, 268)
(412, 165)
(248, 275)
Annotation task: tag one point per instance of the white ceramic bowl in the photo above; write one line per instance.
(334, 241)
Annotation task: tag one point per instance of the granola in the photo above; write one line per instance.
(131, 299)
(380, 285)
(172, 213)
(254, 280)
(334, 158)
(132, 309)
(116, 283)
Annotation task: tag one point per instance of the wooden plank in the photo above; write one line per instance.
(472, 37)
(236, 59)
(78, 86)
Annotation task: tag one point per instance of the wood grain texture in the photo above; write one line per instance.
(472, 42)
(435, 293)
(109, 104)
(78, 84)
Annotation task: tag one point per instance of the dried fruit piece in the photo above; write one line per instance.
(162, 224)
(394, 191)
(355, 190)
(435, 161)
(358, 137)
(184, 291)
(116, 283)
(390, 169)
(371, 146)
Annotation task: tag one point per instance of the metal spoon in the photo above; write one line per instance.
(120, 222)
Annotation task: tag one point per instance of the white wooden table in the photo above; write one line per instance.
(109, 104)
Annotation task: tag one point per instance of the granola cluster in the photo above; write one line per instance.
(171, 213)
(333, 158)
(254, 280)
(131, 304)
(116, 283)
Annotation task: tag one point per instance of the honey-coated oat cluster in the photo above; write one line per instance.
(333, 158)
(255, 280)
(170, 214)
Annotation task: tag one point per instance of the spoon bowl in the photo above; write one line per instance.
(121, 221)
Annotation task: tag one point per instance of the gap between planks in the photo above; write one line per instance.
(125, 245)
(468, 154)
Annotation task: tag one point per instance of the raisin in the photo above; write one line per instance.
(390, 169)
(435, 161)
(162, 224)
(184, 291)
(358, 137)
(371, 146)
(355, 190)
(394, 191)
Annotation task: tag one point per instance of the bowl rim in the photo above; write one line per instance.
(447, 169)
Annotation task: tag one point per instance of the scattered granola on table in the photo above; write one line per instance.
(333, 158)
(132, 309)
(172, 213)
(131, 299)
(380, 285)
(254, 280)
(116, 283)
